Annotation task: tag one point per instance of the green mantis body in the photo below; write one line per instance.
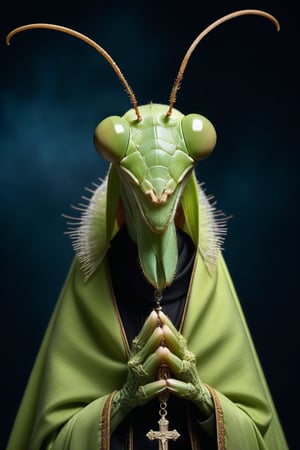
(151, 187)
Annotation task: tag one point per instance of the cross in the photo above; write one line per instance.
(163, 435)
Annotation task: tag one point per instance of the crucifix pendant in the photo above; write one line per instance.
(163, 435)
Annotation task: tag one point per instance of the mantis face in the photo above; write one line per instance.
(154, 158)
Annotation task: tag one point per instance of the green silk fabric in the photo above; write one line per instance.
(83, 357)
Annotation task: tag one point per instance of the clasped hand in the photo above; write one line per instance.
(159, 343)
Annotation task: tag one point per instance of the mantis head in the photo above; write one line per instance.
(154, 158)
(153, 150)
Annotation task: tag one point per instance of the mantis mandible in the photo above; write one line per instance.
(151, 184)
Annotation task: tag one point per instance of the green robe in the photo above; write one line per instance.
(82, 361)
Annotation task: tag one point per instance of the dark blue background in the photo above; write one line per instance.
(54, 90)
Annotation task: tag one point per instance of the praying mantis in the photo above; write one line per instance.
(151, 186)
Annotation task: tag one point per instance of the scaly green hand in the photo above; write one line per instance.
(159, 342)
(185, 381)
(141, 384)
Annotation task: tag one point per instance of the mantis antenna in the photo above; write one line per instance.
(88, 41)
(199, 38)
(116, 68)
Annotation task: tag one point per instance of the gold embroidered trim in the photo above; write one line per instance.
(188, 296)
(219, 419)
(117, 312)
(105, 424)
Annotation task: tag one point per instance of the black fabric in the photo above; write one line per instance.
(135, 300)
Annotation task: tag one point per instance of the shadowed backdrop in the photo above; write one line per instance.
(53, 92)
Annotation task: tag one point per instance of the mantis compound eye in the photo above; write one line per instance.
(199, 135)
(111, 138)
